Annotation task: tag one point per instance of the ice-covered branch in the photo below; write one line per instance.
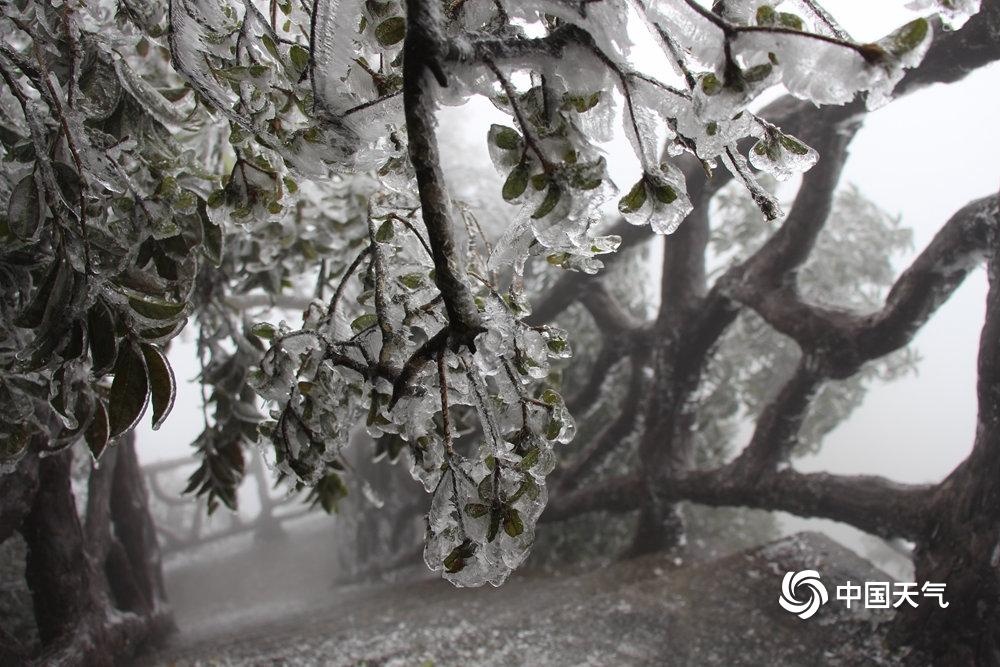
(422, 49)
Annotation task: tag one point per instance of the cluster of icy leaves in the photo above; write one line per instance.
(102, 231)
(306, 101)
(315, 91)
(486, 462)
(549, 160)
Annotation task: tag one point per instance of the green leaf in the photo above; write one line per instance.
(14, 445)
(528, 489)
(549, 203)
(557, 345)
(24, 212)
(557, 258)
(635, 198)
(97, 432)
(391, 31)
(163, 386)
(363, 322)
(212, 237)
(583, 103)
(485, 489)
(385, 232)
(787, 20)
(378, 9)
(506, 138)
(412, 280)
(101, 332)
(496, 517)
(299, 56)
(757, 73)
(792, 145)
(710, 84)
(455, 560)
(516, 183)
(263, 330)
(530, 458)
(512, 524)
(909, 37)
(766, 15)
(160, 335)
(476, 510)
(156, 309)
(129, 393)
(33, 315)
(664, 194)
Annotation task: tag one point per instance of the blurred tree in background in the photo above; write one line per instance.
(210, 162)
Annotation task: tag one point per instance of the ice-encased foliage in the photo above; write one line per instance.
(193, 159)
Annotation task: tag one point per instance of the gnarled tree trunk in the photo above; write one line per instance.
(97, 586)
(960, 545)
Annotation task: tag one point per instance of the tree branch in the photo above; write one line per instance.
(843, 340)
(422, 49)
(873, 504)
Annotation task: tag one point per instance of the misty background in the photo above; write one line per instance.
(921, 157)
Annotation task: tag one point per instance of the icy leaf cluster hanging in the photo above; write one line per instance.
(205, 159)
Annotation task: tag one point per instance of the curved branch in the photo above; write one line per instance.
(874, 504)
(613, 434)
(778, 425)
(843, 340)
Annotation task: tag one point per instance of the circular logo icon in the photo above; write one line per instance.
(802, 593)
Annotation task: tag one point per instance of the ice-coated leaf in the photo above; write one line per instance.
(391, 31)
(157, 309)
(782, 155)
(33, 315)
(552, 197)
(635, 198)
(506, 138)
(24, 211)
(512, 524)
(129, 393)
(362, 322)
(101, 333)
(909, 37)
(211, 235)
(299, 57)
(163, 386)
(516, 183)
(98, 431)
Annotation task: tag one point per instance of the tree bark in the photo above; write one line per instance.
(97, 589)
(57, 570)
(961, 542)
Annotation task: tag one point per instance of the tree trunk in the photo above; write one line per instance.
(97, 591)
(57, 570)
(961, 547)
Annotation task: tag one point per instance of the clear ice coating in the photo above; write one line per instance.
(275, 139)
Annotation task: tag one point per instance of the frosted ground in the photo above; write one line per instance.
(653, 610)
